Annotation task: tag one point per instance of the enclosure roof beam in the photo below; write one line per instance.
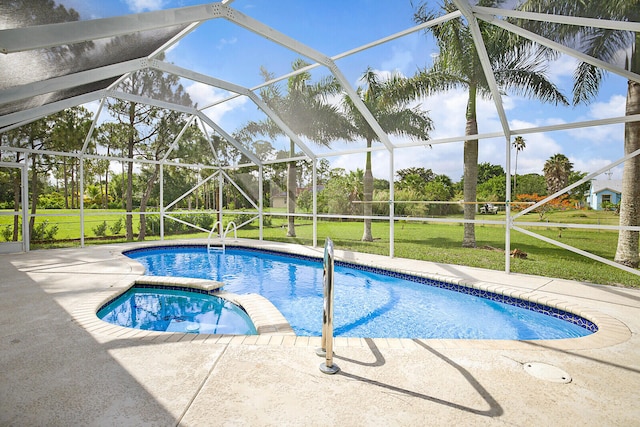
(174, 144)
(26, 116)
(275, 36)
(559, 19)
(187, 110)
(229, 138)
(375, 43)
(294, 45)
(559, 47)
(45, 36)
(150, 101)
(175, 39)
(198, 77)
(361, 107)
(465, 8)
(212, 81)
(282, 125)
(54, 84)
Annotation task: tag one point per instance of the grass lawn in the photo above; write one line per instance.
(437, 242)
(68, 221)
(440, 242)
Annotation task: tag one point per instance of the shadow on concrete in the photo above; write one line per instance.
(495, 410)
(53, 372)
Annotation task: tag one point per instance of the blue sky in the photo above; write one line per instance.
(231, 53)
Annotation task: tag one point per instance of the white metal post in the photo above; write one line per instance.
(81, 160)
(260, 201)
(161, 201)
(220, 183)
(24, 178)
(315, 201)
(391, 206)
(507, 210)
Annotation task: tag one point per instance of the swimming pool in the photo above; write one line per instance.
(368, 302)
(157, 308)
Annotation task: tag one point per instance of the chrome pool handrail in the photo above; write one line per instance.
(222, 235)
(226, 231)
(217, 225)
(328, 367)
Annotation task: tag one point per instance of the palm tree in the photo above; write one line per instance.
(393, 115)
(516, 68)
(556, 172)
(519, 145)
(304, 108)
(604, 44)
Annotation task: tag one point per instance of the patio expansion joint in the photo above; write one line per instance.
(201, 386)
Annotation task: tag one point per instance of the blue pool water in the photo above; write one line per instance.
(170, 310)
(367, 304)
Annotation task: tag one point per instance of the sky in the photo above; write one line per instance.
(225, 51)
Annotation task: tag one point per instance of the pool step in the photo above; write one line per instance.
(265, 316)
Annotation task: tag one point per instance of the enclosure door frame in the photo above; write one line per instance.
(19, 246)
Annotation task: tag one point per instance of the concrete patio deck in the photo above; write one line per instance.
(61, 366)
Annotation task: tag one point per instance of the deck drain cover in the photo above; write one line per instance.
(547, 372)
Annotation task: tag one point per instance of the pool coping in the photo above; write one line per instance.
(273, 329)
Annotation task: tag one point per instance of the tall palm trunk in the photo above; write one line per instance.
(368, 196)
(470, 171)
(291, 193)
(627, 250)
(143, 201)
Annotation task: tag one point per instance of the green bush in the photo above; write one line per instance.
(608, 206)
(240, 218)
(53, 200)
(100, 230)
(7, 233)
(203, 220)
(42, 232)
(116, 227)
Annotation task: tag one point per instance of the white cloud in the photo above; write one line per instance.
(561, 70)
(226, 42)
(603, 135)
(138, 6)
(400, 60)
(594, 164)
(203, 95)
(448, 112)
(615, 107)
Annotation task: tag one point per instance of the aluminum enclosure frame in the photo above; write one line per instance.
(31, 38)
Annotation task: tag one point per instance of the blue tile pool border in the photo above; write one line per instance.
(492, 296)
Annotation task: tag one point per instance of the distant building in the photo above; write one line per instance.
(279, 197)
(607, 190)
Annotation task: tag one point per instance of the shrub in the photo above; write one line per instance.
(7, 233)
(240, 218)
(116, 227)
(100, 230)
(42, 232)
(608, 206)
(53, 200)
